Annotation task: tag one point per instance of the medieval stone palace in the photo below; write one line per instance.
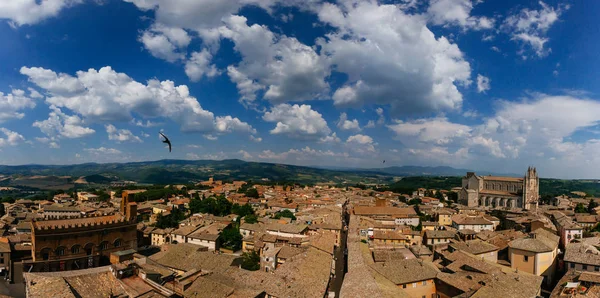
(495, 191)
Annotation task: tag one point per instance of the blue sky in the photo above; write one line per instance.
(487, 85)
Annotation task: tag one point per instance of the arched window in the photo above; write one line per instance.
(104, 245)
(75, 249)
(117, 243)
(45, 253)
(60, 251)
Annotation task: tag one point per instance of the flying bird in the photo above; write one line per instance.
(166, 140)
(384, 161)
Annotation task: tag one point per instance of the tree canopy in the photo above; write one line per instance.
(251, 219)
(285, 213)
(251, 261)
(580, 208)
(592, 205)
(231, 238)
(170, 221)
(252, 193)
(216, 206)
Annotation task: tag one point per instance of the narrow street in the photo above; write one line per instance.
(341, 258)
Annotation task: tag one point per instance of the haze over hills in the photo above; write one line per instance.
(421, 171)
(185, 171)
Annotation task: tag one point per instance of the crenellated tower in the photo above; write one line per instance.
(531, 189)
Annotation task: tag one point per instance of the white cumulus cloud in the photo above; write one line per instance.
(297, 121)
(121, 135)
(392, 58)
(345, 124)
(483, 83)
(29, 12)
(529, 27)
(13, 103)
(105, 95)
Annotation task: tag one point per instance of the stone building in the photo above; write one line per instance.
(495, 191)
(78, 243)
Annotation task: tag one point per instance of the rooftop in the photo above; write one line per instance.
(475, 247)
(582, 253)
(406, 271)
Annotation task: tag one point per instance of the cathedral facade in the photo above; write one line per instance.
(496, 191)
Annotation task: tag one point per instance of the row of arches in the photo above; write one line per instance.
(508, 187)
(77, 249)
(499, 202)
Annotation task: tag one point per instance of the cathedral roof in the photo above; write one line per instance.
(503, 179)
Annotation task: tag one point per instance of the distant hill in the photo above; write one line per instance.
(185, 171)
(407, 171)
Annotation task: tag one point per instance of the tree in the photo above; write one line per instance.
(231, 238)
(251, 261)
(452, 196)
(580, 208)
(170, 221)
(414, 202)
(252, 193)
(285, 213)
(440, 196)
(195, 205)
(242, 210)
(251, 218)
(592, 205)
(102, 196)
(215, 206)
(8, 200)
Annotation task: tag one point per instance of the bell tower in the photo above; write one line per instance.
(531, 189)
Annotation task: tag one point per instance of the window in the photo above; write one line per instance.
(572, 265)
(103, 245)
(526, 258)
(2, 260)
(424, 282)
(60, 251)
(596, 268)
(75, 249)
(118, 243)
(584, 267)
(404, 286)
(414, 284)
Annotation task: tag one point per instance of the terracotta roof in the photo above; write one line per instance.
(324, 241)
(582, 253)
(77, 222)
(287, 252)
(463, 219)
(500, 178)
(187, 256)
(384, 255)
(439, 234)
(586, 218)
(475, 247)
(96, 282)
(388, 235)
(56, 208)
(590, 277)
(185, 230)
(406, 271)
(541, 241)
(286, 228)
(420, 250)
(371, 210)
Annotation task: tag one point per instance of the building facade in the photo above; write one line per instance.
(495, 191)
(79, 243)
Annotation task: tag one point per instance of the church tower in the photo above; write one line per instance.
(531, 189)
